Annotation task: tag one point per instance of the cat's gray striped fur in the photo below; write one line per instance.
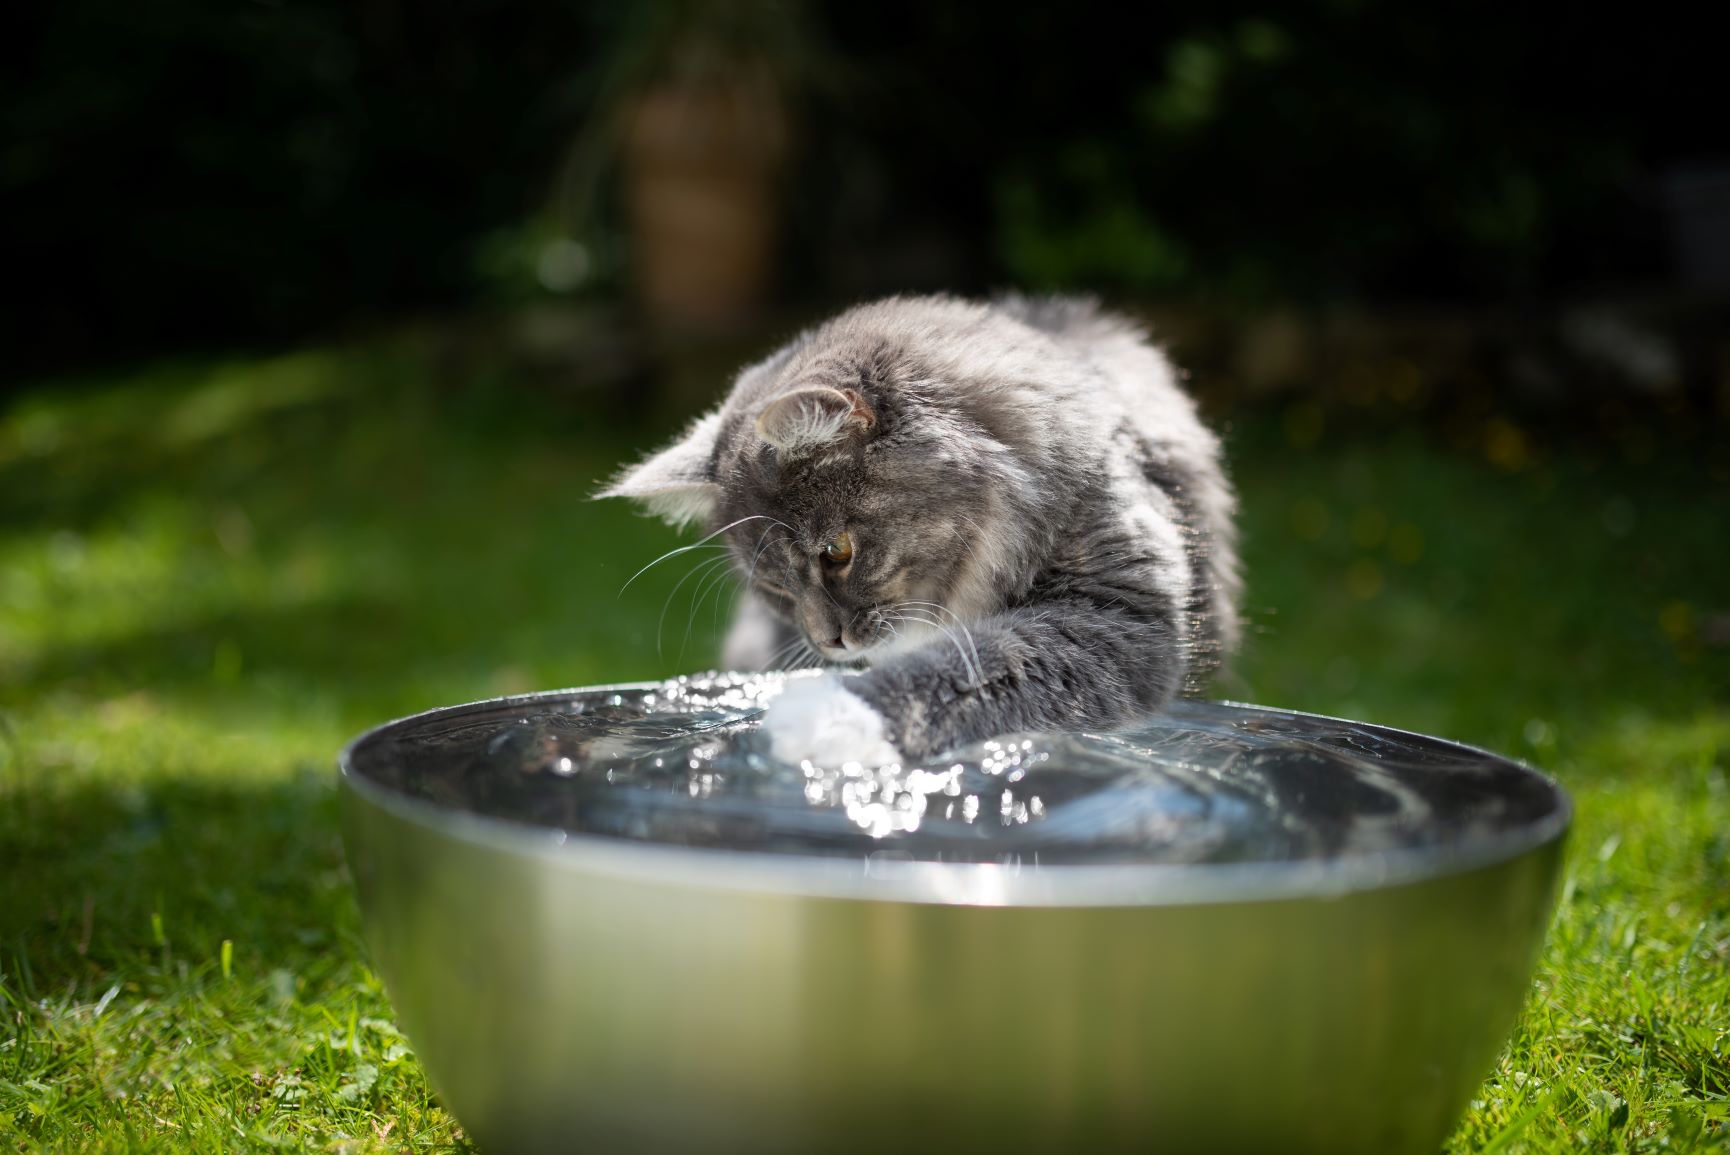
(1041, 532)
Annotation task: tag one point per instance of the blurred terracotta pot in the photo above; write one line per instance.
(702, 167)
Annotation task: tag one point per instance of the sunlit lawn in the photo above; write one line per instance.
(211, 575)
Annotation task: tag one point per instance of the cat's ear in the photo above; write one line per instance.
(678, 483)
(814, 415)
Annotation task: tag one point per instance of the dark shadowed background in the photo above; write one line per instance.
(194, 176)
(324, 318)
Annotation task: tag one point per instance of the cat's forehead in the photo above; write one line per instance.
(817, 497)
(819, 502)
(816, 489)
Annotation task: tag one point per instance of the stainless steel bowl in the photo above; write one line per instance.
(571, 992)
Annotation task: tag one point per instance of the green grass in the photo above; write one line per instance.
(211, 575)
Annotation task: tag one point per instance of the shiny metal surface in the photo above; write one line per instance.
(585, 993)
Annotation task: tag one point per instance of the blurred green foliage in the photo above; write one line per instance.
(1335, 151)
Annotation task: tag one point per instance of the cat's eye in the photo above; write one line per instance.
(839, 551)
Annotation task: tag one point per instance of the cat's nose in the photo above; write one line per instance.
(837, 642)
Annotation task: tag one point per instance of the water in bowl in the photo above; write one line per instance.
(682, 764)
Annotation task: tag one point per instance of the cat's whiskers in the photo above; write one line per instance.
(804, 657)
(784, 653)
(700, 544)
(960, 625)
(718, 578)
(893, 618)
(969, 654)
(943, 630)
(702, 567)
(910, 612)
(822, 586)
(763, 544)
(986, 573)
(895, 637)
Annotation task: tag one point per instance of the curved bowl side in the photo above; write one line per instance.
(555, 1008)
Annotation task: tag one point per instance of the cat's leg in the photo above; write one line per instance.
(1055, 665)
(758, 640)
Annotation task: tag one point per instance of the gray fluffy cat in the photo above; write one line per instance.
(1008, 515)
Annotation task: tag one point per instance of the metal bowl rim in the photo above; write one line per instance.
(894, 879)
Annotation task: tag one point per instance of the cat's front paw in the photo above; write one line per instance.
(819, 720)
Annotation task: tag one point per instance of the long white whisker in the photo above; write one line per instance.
(944, 631)
(762, 544)
(962, 626)
(785, 652)
(697, 545)
(973, 670)
(672, 553)
(978, 535)
(732, 604)
(972, 667)
(741, 586)
(715, 579)
(712, 583)
(700, 567)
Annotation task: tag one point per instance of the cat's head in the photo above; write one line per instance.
(853, 507)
